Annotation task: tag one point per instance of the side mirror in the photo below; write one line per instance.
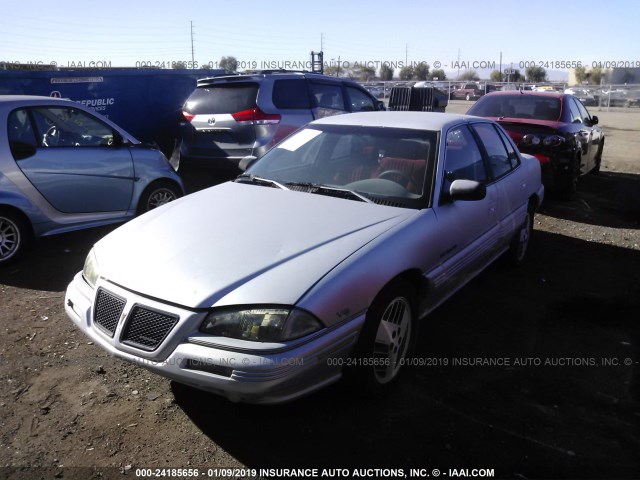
(117, 139)
(246, 162)
(467, 190)
(22, 150)
(380, 105)
(594, 120)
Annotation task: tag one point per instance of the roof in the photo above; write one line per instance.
(31, 99)
(414, 120)
(530, 93)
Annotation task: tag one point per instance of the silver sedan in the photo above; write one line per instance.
(318, 262)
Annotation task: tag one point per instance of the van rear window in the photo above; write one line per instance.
(224, 98)
(291, 93)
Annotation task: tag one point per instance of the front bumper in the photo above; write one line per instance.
(189, 357)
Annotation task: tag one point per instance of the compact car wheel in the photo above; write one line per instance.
(156, 195)
(386, 338)
(13, 236)
(598, 159)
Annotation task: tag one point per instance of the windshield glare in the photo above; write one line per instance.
(373, 161)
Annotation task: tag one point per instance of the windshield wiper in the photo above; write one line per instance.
(330, 191)
(256, 180)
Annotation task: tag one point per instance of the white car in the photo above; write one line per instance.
(317, 262)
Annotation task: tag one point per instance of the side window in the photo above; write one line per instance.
(70, 127)
(328, 96)
(291, 94)
(586, 118)
(573, 109)
(20, 129)
(463, 160)
(359, 100)
(511, 151)
(499, 160)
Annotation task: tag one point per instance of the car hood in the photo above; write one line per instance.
(239, 244)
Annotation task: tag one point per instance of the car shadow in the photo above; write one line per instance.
(477, 396)
(610, 199)
(50, 263)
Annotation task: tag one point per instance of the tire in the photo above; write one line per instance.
(468, 97)
(570, 183)
(158, 194)
(519, 246)
(386, 339)
(14, 236)
(598, 160)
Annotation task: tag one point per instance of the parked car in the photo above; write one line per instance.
(468, 91)
(556, 128)
(334, 245)
(232, 117)
(64, 167)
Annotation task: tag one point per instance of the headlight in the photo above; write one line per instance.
(530, 139)
(90, 272)
(277, 324)
(553, 140)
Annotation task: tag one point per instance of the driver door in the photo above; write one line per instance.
(74, 160)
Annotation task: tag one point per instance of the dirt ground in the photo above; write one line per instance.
(564, 401)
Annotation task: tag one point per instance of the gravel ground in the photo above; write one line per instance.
(68, 410)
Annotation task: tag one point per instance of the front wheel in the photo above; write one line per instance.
(14, 235)
(520, 244)
(156, 195)
(386, 339)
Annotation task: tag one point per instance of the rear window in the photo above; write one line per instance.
(224, 98)
(518, 106)
(292, 93)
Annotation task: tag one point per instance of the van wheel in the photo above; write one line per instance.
(14, 236)
(386, 339)
(157, 194)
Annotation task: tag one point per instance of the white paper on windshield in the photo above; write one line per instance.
(299, 139)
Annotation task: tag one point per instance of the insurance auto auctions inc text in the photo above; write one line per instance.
(373, 473)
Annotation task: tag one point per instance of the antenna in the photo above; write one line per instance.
(192, 56)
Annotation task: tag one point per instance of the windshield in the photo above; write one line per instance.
(518, 106)
(391, 166)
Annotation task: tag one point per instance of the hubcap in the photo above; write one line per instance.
(160, 197)
(392, 340)
(9, 238)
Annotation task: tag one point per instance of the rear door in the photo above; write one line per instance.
(223, 119)
(328, 99)
(74, 162)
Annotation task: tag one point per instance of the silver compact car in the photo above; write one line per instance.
(317, 262)
(64, 167)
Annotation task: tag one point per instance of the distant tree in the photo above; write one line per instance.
(516, 76)
(439, 74)
(333, 70)
(535, 74)
(421, 71)
(386, 73)
(230, 64)
(580, 74)
(364, 73)
(179, 65)
(596, 75)
(469, 75)
(406, 73)
(495, 76)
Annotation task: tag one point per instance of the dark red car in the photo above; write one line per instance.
(556, 128)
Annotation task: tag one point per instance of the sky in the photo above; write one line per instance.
(456, 35)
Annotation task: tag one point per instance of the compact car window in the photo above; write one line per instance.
(463, 160)
(513, 155)
(586, 118)
(20, 128)
(70, 127)
(517, 106)
(499, 160)
(360, 101)
(223, 98)
(291, 94)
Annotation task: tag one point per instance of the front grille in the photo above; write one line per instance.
(107, 311)
(146, 328)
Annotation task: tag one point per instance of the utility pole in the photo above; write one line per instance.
(406, 54)
(458, 77)
(192, 55)
(500, 66)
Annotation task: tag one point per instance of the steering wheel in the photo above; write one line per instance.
(51, 137)
(408, 180)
